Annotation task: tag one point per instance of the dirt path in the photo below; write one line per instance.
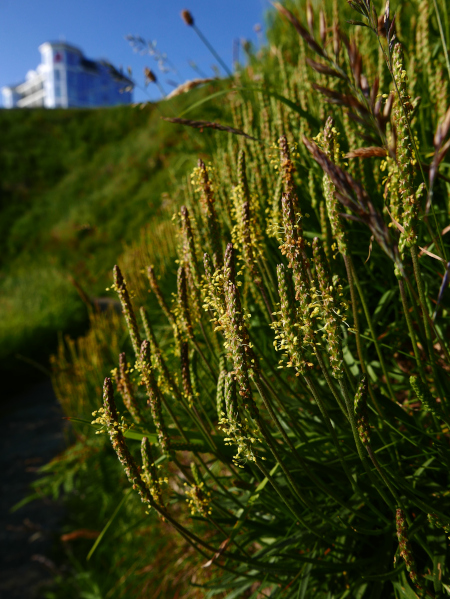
(31, 434)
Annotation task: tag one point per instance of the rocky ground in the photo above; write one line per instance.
(31, 434)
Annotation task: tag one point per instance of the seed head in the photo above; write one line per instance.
(329, 308)
(405, 547)
(120, 287)
(127, 390)
(150, 76)
(229, 266)
(293, 248)
(190, 254)
(231, 405)
(333, 206)
(149, 472)
(405, 153)
(220, 397)
(238, 346)
(186, 374)
(201, 177)
(238, 431)
(361, 413)
(154, 395)
(209, 268)
(245, 231)
(423, 394)
(183, 302)
(198, 496)
(165, 380)
(119, 444)
(288, 338)
(242, 176)
(287, 170)
(187, 17)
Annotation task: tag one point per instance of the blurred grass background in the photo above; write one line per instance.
(78, 189)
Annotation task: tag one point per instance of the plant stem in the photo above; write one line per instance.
(355, 313)
(423, 305)
(329, 381)
(306, 468)
(211, 49)
(411, 330)
(330, 427)
(359, 444)
(371, 327)
(441, 31)
(208, 343)
(205, 361)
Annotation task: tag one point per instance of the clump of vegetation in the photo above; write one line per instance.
(292, 379)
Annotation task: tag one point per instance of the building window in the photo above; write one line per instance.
(72, 59)
(57, 75)
(58, 91)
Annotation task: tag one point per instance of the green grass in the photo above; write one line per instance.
(76, 187)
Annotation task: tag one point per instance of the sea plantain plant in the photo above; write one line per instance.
(294, 387)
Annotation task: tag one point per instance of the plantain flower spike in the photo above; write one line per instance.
(183, 302)
(330, 309)
(209, 268)
(199, 498)
(329, 190)
(287, 339)
(119, 444)
(230, 397)
(238, 431)
(186, 374)
(149, 472)
(236, 335)
(120, 287)
(287, 170)
(154, 396)
(127, 390)
(410, 200)
(423, 394)
(246, 226)
(212, 223)
(220, 397)
(187, 17)
(361, 413)
(190, 254)
(293, 249)
(405, 547)
(229, 266)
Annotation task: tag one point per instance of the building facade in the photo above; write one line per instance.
(67, 79)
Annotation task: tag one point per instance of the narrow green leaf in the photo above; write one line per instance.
(359, 24)
(108, 524)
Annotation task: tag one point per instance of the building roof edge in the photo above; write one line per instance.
(64, 45)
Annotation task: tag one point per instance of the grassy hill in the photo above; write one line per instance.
(76, 187)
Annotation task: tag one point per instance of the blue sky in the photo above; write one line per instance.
(98, 27)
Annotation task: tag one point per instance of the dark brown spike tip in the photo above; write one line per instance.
(108, 400)
(145, 350)
(187, 17)
(118, 277)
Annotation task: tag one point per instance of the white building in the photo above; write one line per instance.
(66, 79)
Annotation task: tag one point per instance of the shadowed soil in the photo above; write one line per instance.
(32, 433)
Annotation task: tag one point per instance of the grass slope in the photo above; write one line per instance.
(76, 186)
